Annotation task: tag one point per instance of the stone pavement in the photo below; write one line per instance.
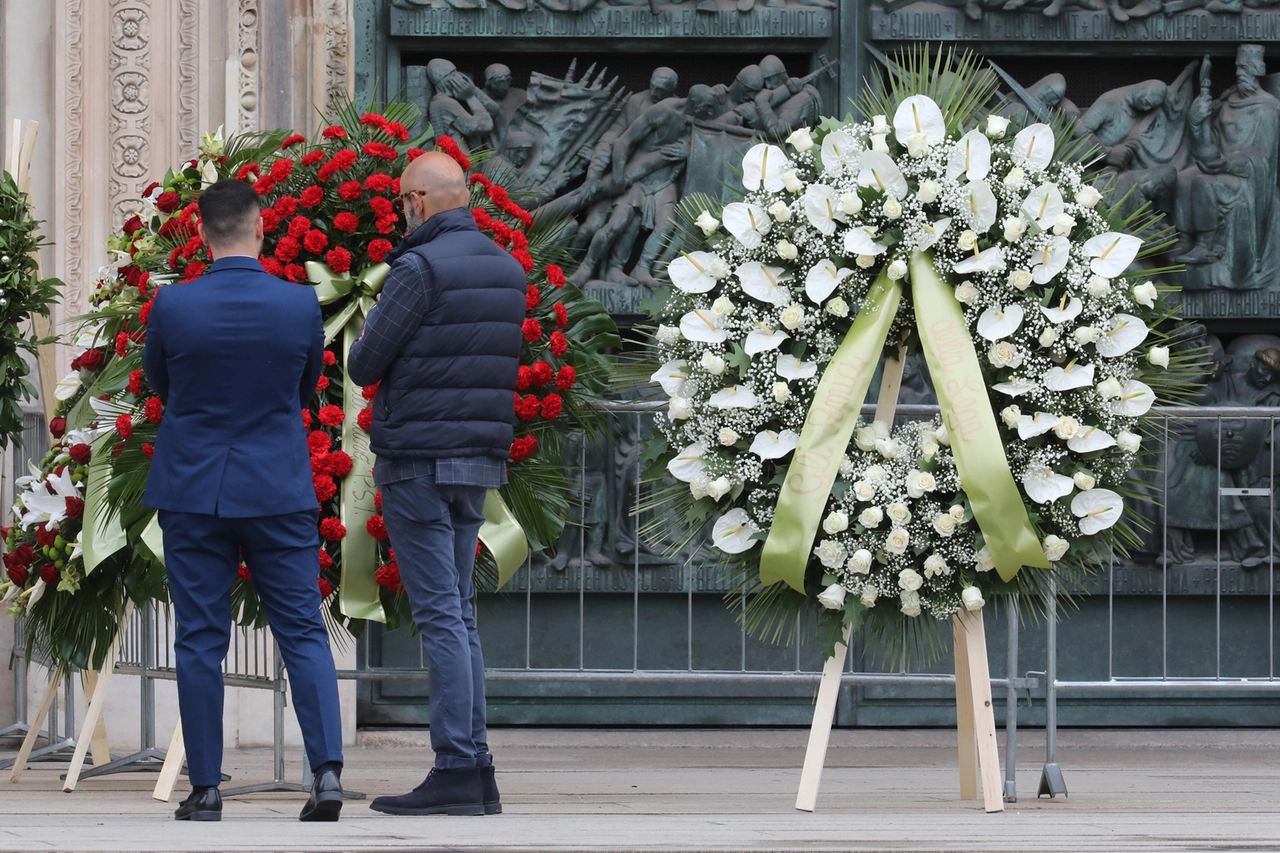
(682, 790)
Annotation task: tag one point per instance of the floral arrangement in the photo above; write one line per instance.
(330, 216)
(861, 237)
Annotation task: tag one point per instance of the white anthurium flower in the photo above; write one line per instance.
(208, 174)
(1124, 333)
(1111, 252)
(689, 463)
(733, 532)
(970, 156)
(1050, 260)
(790, 367)
(840, 151)
(764, 339)
(932, 232)
(1033, 147)
(822, 280)
(1089, 439)
(77, 549)
(672, 377)
(691, 272)
(67, 386)
(1136, 399)
(763, 166)
(999, 322)
(703, 327)
(1069, 377)
(1067, 310)
(89, 335)
(918, 115)
(748, 223)
(737, 397)
(981, 204)
(861, 240)
(764, 283)
(774, 445)
(1097, 510)
(1016, 387)
(879, 172)
(37, 592)
(987, 260)
(1044, 486)
(1042, 422)
(1044, 205)
(822, 208)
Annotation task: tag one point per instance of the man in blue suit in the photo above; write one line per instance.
(236, 355)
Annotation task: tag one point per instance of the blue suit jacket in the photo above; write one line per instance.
(236, 355)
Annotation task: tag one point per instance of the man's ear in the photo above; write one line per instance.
(259, 232)
(200, 231)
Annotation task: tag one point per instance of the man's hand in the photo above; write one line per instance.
(674, 153)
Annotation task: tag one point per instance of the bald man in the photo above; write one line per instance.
(444, 344)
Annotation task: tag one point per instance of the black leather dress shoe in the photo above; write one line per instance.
(326, 797)
(205, 805)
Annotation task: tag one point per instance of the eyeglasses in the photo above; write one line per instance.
(403, 198)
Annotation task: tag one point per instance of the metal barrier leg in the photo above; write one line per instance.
(1051, 781)
(20, 728)
(1011, 707)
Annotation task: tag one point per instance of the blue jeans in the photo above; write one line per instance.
(434, 529)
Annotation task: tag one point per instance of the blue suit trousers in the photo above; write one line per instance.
(202, 558)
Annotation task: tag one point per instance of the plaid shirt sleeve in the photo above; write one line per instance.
(398, 314)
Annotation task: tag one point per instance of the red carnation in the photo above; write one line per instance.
(330, 358)
(378, 250)
(559, 344)
(377, 500)
(519, 240)
(527, 408)
(339, 463)
(347, 222)
(155, 410)
(244, 574)
(481, 217)
(272, 267)
(327, 171)
(373, 120)
(313, 157)
(542, 373)
(311, 196)
(377, 528)
(281, 169)
(331, 416)
(319, 442)
(75, 507)
(551, 406)
(247, 170)
(332, 529)
(532, 298)
(325, 560)
(293, 139)
(566, 378)
(322, 383)
(350, 190)
(562, 316)
(265, 185)
(378, 182)
(414, 154)
(345, 159)
(141, 284)
(369, 392)
(144, 313)
(524, 378)
(285, 206)
(122, 343)
(195, 269)
(148, 450)
(525, 259)
(270, 220)
(168, 202)
(315, 241)
(381, 206)
(326, 589)
(448, 146)
(364, 420)
(498, 194)
(306, 419)
(523, 448)
(287, 249)
(325, 487)
(295, 273)
(381, 150)
(480, 179)
(49, 574)
(124, 426)
(339, 260)
(135, 383)
(298, 227)
(81, 453)
(388, 576)
(532, 329)
(398, 130)
(132, 226)
(335, 131)
(386, 224)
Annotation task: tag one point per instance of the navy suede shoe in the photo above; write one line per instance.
(450, 792)
(489, 788)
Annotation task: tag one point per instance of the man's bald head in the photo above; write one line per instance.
(432, 183)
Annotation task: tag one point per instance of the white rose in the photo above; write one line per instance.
(935, 566)
(1145, 294)
(1086, 335)
(919, 482)
(869, 596)
(1015, 178)
(851, 203)
(792, 181)
(918, 145)
(1088, 197)
(1063, 224)
(957, 512)
(909, 579)
(708, 223)
(881, 429)
(892, 208)
(897, 540)
(847, 468)
(928, 448)
(910, 603)
(1020, 279)
(1048, 337)
(1014, 228)
(967, 240)
(837, 307)
(786, 250)
(944, 524)
(1084, 481)
(835, 522)
(865, 261)
(728, 437)
(832, 597)
(898, 513)
(698, 487)
(722, 307)
(1004, 354)
(897, 269)
(864, 491)
(871, 517)
(781, 392)
(890, 448)
(1109, 388)
(875, 473)
(860, 562)
(718, 488)
(1010, 415)
(679, 408)
(996, 126)
(712, 363)
(718, 269)
(1067, 428)
(1159, 356)
(831, 553)
(792, 317)
(971, 598)
(942, 435)
(667, 335)
(879, 125)
(802, 141)
(865, 438)
(966, 292)
(1128, 442)
(780, 211)
(1055, 547)
(983, 560)
(878, 143)
(929, 191)
(1098, 286)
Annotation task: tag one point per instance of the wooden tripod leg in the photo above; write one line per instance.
(99, 746)
(965, 735)
(984, 718)
(92, 716)
(824, 713)
(42, 713)
(172, 766)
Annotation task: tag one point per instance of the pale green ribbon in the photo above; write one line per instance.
(101, 536)
(962, 397)
(502, 534)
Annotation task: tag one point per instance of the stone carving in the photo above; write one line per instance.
(247, 71)
(574, 7)
(1121, 11)
(336, 15)
(70, 137)
(130, 61)
(188, 76)
(455, 107)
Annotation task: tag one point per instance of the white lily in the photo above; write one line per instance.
(67, 386)
(1136, 399)
(822, 208)
(691, 272)
(1016, 387)
(1069, 377)
(763, 166)
(77, 549)
(764, 339)
(1124, 333)
(981, 205)
(733, 532)
(689, 464)
(932, 232)
(1033, 147)
(987, 260)
(1111, 253)
(861, 240)
(918, 115)
(1044, 486)
(38, 505)
(1065, 312)
(1050, 260)
(774, 445)
(748, 223)
(1043, 205)
(703, 327)
(881, 173)
(1042, 422)
(1097, 510)
(801, 140)
(764, 283)
(790, 367)
(998, 322)
(737, 397)
(840, 151)
(970, 156)
(822, 280)
(1089, 439)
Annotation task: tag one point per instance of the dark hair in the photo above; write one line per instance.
(228, 210)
